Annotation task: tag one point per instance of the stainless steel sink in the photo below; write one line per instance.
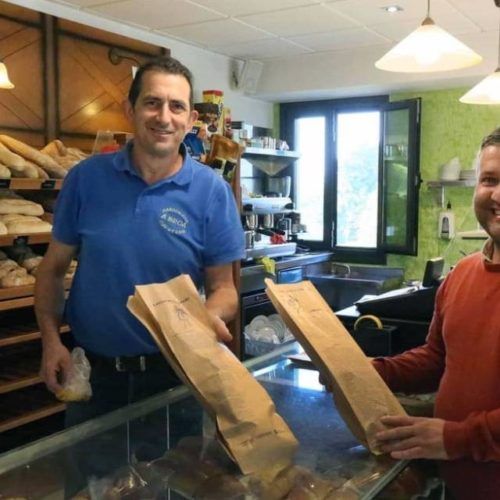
(341, 285)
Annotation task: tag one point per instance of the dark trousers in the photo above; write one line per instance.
(144, 438)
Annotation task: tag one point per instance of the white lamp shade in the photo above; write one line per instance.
(5, 83)
(487, 91)
(429, 48)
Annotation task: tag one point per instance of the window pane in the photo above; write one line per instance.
(396, 176)
(358, 136)
(310, 174)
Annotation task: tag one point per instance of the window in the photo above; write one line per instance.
(356, 182)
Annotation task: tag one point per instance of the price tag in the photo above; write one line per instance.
(4, 183)
(50, 184)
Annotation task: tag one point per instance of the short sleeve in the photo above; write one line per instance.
(67, 210)
(224, 232)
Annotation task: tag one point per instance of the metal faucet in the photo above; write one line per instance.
(339, 265)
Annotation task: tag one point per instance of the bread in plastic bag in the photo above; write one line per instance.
(77, 387)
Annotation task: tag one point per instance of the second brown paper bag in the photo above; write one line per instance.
(361, 395)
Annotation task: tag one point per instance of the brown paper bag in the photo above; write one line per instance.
(248, 426)
(361, 395)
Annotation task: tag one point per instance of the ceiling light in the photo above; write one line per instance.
(5, 83)
(487, 91)
(392, 9)
(429, 48)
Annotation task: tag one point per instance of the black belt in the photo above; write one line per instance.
(140, 363)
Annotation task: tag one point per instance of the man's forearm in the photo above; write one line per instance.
(49, 306)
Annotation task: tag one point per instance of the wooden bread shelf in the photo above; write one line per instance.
(24, 380)
(31, 184)
(21, 296)
(20, 334)
(15, 292)
(20, 367)
(7, 240)
(28, 405)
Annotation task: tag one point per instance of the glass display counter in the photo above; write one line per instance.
(130, 437)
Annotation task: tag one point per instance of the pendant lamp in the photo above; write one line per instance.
(5, 83)
(487, 91)
(429, 48)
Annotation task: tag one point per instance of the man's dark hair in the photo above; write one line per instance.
(492, 139)
(164, 64)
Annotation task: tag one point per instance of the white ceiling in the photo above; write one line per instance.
(281, 31)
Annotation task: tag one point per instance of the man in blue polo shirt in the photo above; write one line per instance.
(142, 215)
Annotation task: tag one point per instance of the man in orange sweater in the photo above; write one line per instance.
(461, 360)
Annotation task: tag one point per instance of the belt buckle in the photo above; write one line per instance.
(119, 364)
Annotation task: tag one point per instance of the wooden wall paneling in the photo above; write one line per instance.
(9, 10)
(21, 50)
(90, 96)
(50, 78)
(91, 88)
(137, 48)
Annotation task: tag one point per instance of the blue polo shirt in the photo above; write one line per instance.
(131, 233)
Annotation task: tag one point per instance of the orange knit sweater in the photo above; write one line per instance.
(461, 360)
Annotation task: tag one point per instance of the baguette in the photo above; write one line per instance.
(41, 159)
(5, 173)
(20, 206)
(54, 148)
(30, 171)
(27, 227)
(12, 217)
(10, 159)
(40, 171)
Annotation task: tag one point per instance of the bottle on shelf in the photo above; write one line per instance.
(446, 226)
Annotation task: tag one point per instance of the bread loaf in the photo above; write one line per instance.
(30, 171)
(6, 266)
(19, 206)
(10, 159)
(17, 278)
(3, 228)
(20, 226)
(5, 173)
(31, 263)
(41, 159)
(12, 217)
(55, 148)
(40, 171)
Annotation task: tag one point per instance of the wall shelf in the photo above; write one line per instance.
(442, 185)
(270, 161)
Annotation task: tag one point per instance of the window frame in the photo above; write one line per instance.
(329, 109)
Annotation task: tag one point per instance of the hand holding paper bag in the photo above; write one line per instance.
(254, 435)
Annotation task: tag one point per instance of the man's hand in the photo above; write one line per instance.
(56, 366)
(412, 437)
(220, 329)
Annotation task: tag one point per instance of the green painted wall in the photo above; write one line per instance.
(448, 129)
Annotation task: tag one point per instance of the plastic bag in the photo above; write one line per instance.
(77, 387)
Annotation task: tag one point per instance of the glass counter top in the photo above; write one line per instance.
(327, 448)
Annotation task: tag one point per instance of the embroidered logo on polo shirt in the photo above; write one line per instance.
(173, 220)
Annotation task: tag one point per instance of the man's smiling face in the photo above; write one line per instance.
(161, 115)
